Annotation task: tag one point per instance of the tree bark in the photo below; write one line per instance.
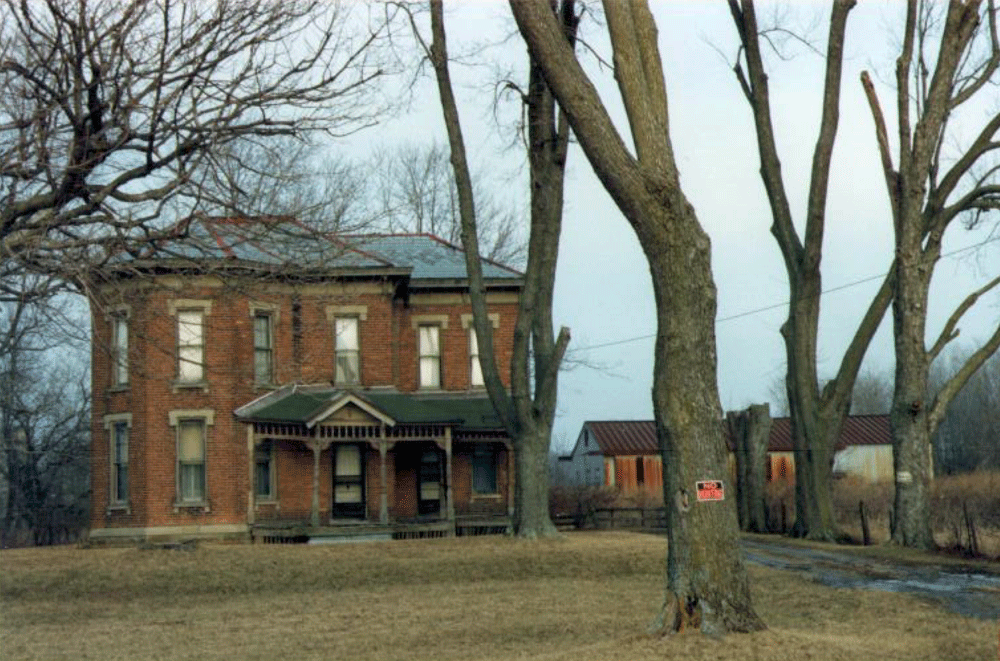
(707, 584)
(751, 430)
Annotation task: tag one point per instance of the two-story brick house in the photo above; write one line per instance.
(255, 379)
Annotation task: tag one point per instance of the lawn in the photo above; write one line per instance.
(585, 596)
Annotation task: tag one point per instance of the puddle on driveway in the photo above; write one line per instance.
(972, 594)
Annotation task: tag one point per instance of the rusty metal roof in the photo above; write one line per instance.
(635, 437)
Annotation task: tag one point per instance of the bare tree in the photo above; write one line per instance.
(872, 394)
(416, 192)
(528, 410)
(817, 410)
(44, 428)
(968, 437)
(707, 584)
(945, 63)
(288, 177)
(113, 112)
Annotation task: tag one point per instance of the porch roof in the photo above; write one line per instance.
(302, 405)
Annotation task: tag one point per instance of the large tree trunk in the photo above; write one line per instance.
(911, 439)
(531, 487)
(706, 579)
(751, 431)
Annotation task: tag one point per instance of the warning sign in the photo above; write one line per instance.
(710, 490)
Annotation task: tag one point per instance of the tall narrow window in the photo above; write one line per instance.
(190, 346)
(347, 347)
(430, 357)
(119, 350)
(484, 471)
(119, 463)
(191, 461)
(475, 369)
(264, 471)
(263, 352)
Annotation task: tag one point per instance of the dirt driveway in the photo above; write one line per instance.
(969, 589)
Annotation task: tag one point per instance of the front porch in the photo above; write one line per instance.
(352, 470)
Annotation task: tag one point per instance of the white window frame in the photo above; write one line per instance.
(113, 423)
(475, 368)
(178, 308)
(425, 356)
(206, 417)
(119, 349)
(339, 341)
(268, 347)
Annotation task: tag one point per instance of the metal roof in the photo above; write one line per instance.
(300, 405)
(282, 242)
(637, 437)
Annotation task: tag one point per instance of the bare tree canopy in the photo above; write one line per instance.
(415, 191)
(113, 111)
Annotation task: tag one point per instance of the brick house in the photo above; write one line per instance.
(253, 379)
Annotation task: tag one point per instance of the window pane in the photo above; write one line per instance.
(121, 350)
(262, 473)
(430, 491)
(189, 367)
(262, 331)
(192, 481)
(430, 372)
(475, 369)
(347, 494)
(348, 461)
(191, 437)
(189, 327)
(262, 366)
(347, 367)
(484, 471)
(347, 333)
(121, 483)
(121, 443)
(429, 341)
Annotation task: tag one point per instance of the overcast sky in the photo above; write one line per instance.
(603, 291)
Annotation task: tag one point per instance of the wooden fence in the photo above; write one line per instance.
(649, 519)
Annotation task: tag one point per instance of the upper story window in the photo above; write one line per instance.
(430, 356)
(190, 315)
(119, 349)
(190, 346)
(263, 349)
(475, 369)
(347, 347)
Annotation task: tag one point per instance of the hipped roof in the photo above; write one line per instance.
(638, 437)
(279, 244)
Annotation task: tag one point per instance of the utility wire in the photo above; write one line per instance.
(774, 306)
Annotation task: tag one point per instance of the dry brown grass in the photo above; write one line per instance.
(586, 596)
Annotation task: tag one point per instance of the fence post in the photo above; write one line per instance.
(865, 535)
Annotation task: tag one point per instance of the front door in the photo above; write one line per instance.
(348, 482)
(429, 482)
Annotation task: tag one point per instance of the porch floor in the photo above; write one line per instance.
(345, 530)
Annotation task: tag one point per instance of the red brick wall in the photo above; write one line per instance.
(388, 357)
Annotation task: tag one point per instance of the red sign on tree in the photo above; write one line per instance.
(710, 490)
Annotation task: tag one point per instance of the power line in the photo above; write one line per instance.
(775, 306)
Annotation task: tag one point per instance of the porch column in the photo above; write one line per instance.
(449, 493)
(510, 480)
(383, 514)
(314, 512)
(252, 463)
